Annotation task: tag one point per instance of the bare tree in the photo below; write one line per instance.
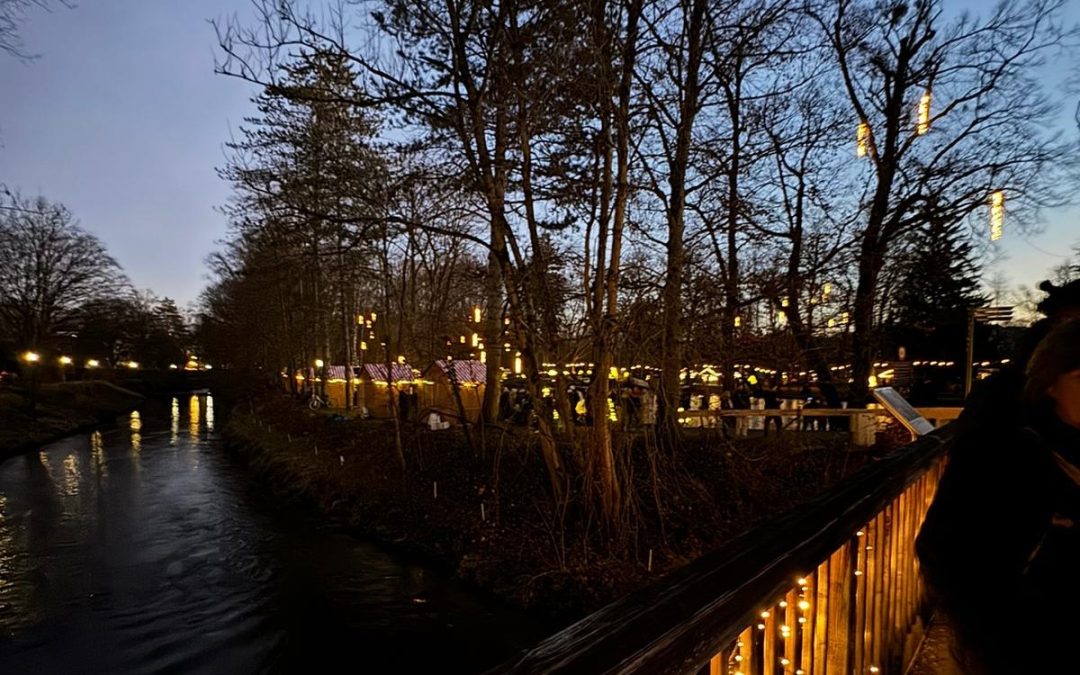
(947, 114)
(12, 15)
(52, 266)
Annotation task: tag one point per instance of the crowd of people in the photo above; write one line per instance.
(1000, 546)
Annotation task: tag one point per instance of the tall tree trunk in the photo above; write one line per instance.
(672, 361)
(871, 258)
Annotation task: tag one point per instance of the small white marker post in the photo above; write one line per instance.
(650, 560)
(434, 489)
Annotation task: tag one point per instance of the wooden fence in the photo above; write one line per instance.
(832, 588)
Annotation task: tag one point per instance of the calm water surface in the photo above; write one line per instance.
(146, 549)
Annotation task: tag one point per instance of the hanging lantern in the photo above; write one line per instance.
(997, 214)
(922, 124)
(476, 315)
(475, 340)
(517, 364)
(738, 321)
(862, 139)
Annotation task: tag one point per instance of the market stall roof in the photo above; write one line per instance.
(466, 371)
(401, 372)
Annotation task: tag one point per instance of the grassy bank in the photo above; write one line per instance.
(491, 519)
(62, 409)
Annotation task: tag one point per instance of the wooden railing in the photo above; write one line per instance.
(863, 422)
(832, 588)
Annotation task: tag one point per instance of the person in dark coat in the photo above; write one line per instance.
(772, 402)
(1000, 546)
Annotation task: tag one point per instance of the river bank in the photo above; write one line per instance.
(490, 519)
(62, 409)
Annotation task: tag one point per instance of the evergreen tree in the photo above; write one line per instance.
(938, 283)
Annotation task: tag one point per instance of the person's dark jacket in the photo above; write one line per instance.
(992, 549)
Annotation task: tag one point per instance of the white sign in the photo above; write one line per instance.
(903, 411)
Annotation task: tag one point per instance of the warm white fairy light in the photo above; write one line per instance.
(862, 138)
(997, 214)
(923, 123)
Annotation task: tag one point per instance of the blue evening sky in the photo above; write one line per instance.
(122, 119)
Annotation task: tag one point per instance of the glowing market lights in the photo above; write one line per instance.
(319, 363)
(31, 357)
(997, 214)
(93, 363)
(922, 124)
(476, 315)
(133, 365)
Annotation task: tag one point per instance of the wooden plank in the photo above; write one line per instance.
(769, 640)
(840, 588)
(791, 620)
(878, 652)
(859, 634)
(821, 618)
(806, 593)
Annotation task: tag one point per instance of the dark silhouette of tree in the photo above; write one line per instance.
(12, 15)
(51, 268)
(940, 278)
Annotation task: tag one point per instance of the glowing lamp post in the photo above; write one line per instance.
(31, 358)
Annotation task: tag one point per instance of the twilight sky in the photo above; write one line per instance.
(122, 119)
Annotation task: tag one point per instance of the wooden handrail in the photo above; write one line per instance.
(927, 412)
(697, 615)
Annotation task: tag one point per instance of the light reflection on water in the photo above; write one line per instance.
(136, 431)
(193, 417)
(209, 413)
(71, 476)
(180, 562)
(174, 424)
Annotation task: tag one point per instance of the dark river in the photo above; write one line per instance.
(144, 548)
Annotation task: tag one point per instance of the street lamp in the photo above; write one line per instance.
(133, 365)
(31, 359)
(93, 363)
(318, 363)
